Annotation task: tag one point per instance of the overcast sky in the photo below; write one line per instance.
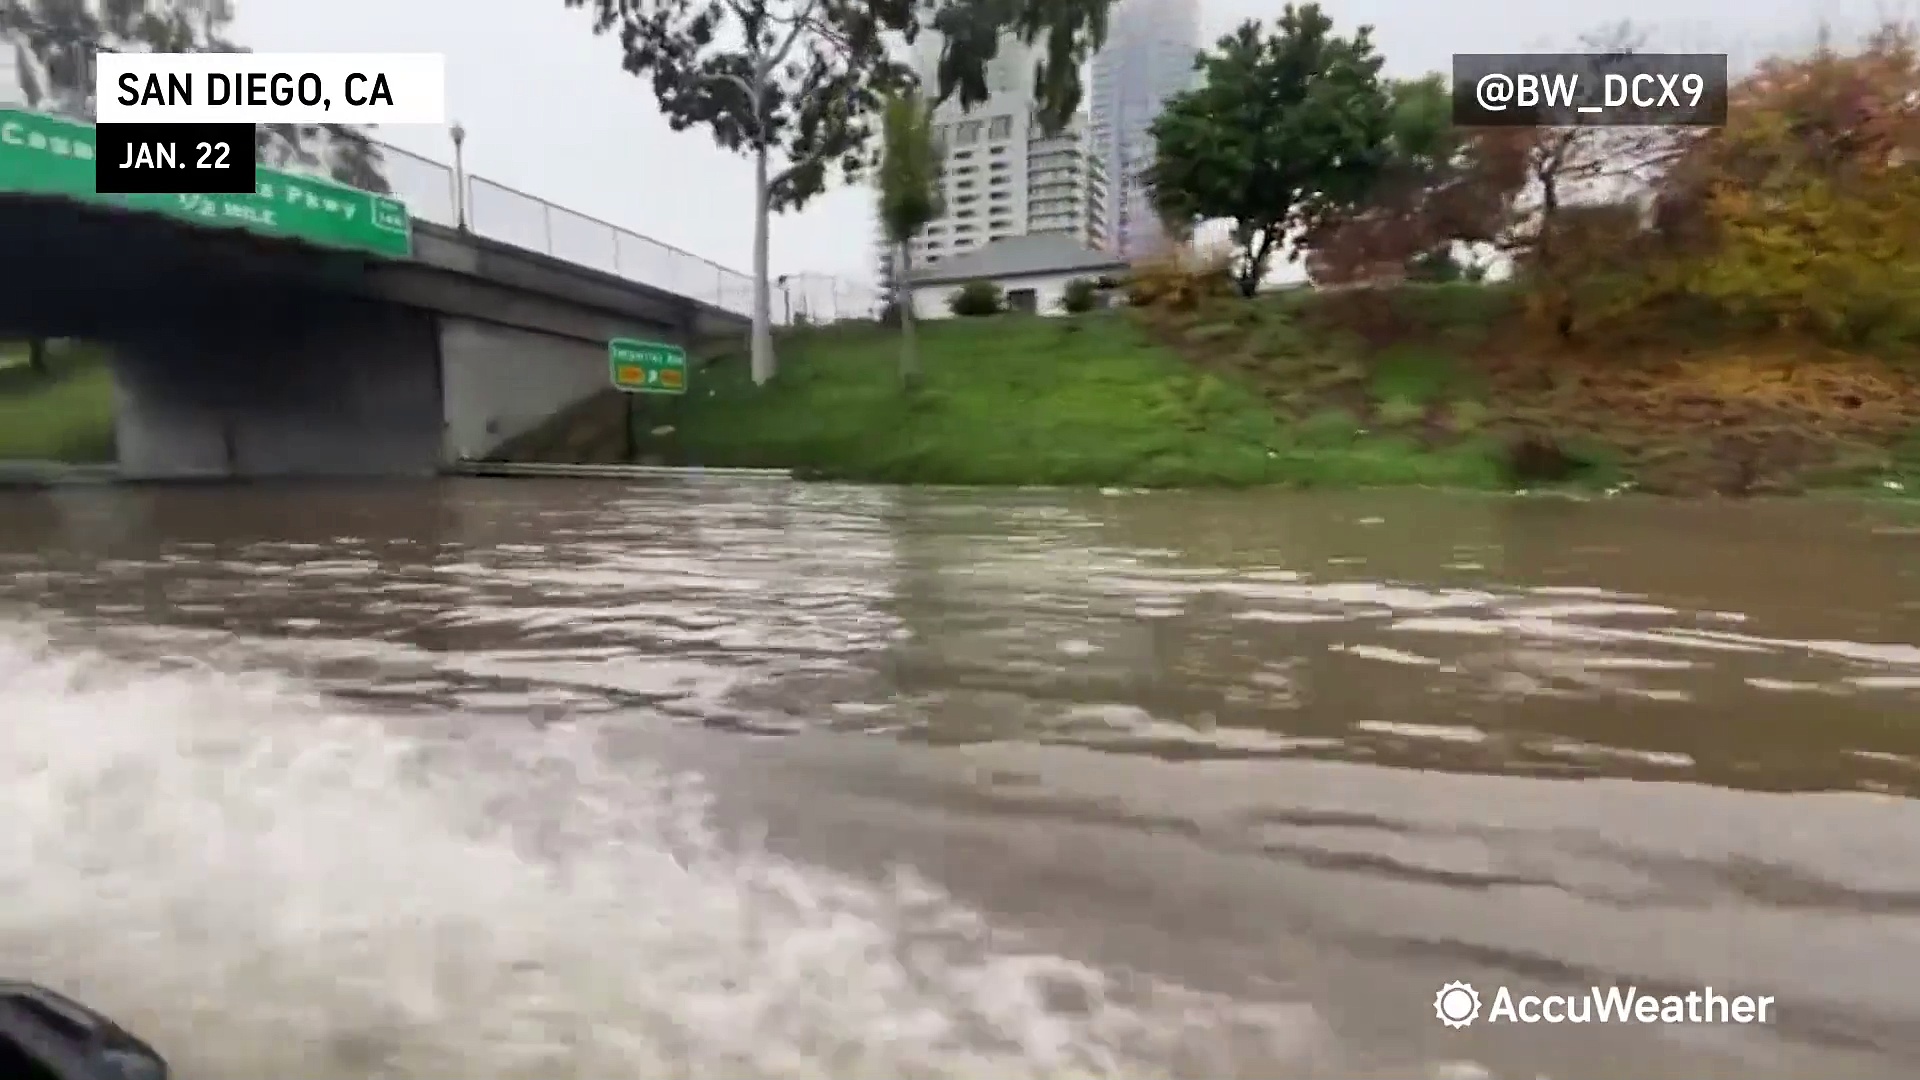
(548, 110)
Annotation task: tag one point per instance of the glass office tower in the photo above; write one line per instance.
(1148, 58)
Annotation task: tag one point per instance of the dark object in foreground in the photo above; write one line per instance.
(48, 1036)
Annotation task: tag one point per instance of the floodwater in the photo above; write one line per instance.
(743, 779)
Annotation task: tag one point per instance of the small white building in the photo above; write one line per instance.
(1001, 173)
(1032, 271)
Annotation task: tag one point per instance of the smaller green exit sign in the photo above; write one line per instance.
(647, 367)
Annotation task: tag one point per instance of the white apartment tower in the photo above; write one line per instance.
(1003, 175)
(1148, 58)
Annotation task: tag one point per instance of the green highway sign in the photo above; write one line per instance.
(647, 367)
(48, 155)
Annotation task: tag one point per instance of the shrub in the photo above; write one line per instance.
(1081, 295)
(977, 298)
(1180, 280)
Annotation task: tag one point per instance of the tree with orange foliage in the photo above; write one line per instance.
(1437, 187)
(1804, 212)
(1550, 198)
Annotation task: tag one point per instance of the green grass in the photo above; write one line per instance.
(1893, 472)
(13, 365)
(1023, 400)
(1387, 461)
(1416, 375)
(65, 416)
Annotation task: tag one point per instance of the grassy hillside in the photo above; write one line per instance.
(66, 415)
(1088, 400)
(1441, 385)
(1693, 410)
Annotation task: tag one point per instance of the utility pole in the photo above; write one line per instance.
(459, 134)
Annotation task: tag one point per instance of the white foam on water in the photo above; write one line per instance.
(265, 884)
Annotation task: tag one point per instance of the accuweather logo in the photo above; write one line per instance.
(1458, 1005)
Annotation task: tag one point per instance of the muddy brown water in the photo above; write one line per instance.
(727, 779)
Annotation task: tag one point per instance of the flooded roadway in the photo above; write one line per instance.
(747, 779)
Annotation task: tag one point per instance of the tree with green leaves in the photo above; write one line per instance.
(55, 42)
(340, 151)
(1289, 129)
(910, 197)
(798, 85)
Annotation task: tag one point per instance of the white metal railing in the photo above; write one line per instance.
(510, 216)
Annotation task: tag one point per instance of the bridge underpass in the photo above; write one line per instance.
(236, 354)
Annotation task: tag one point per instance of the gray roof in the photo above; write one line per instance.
(1016, 256)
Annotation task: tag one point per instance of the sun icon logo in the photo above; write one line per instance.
(1457, 1005)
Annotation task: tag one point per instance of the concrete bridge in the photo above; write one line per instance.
(391, 346)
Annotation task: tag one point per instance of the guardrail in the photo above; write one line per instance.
(504, 469)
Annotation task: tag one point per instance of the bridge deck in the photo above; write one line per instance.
(88, 270)
(47, 184)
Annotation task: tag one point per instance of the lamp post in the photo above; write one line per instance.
(459, 134)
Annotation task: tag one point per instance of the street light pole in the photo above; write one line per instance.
(459, 134)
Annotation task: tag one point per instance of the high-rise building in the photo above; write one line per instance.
(1148, 58)
(1003, 175)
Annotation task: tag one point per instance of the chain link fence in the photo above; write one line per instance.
(498, 212)
(425, 185)
(501, 213)
(822, 298)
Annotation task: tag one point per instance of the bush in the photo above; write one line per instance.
(1180, 280)
(976, 298)
(1082, 295)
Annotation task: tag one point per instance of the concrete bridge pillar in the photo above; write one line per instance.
(502, 381)
(317, 387)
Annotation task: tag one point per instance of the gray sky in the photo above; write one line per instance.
(549, 111)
